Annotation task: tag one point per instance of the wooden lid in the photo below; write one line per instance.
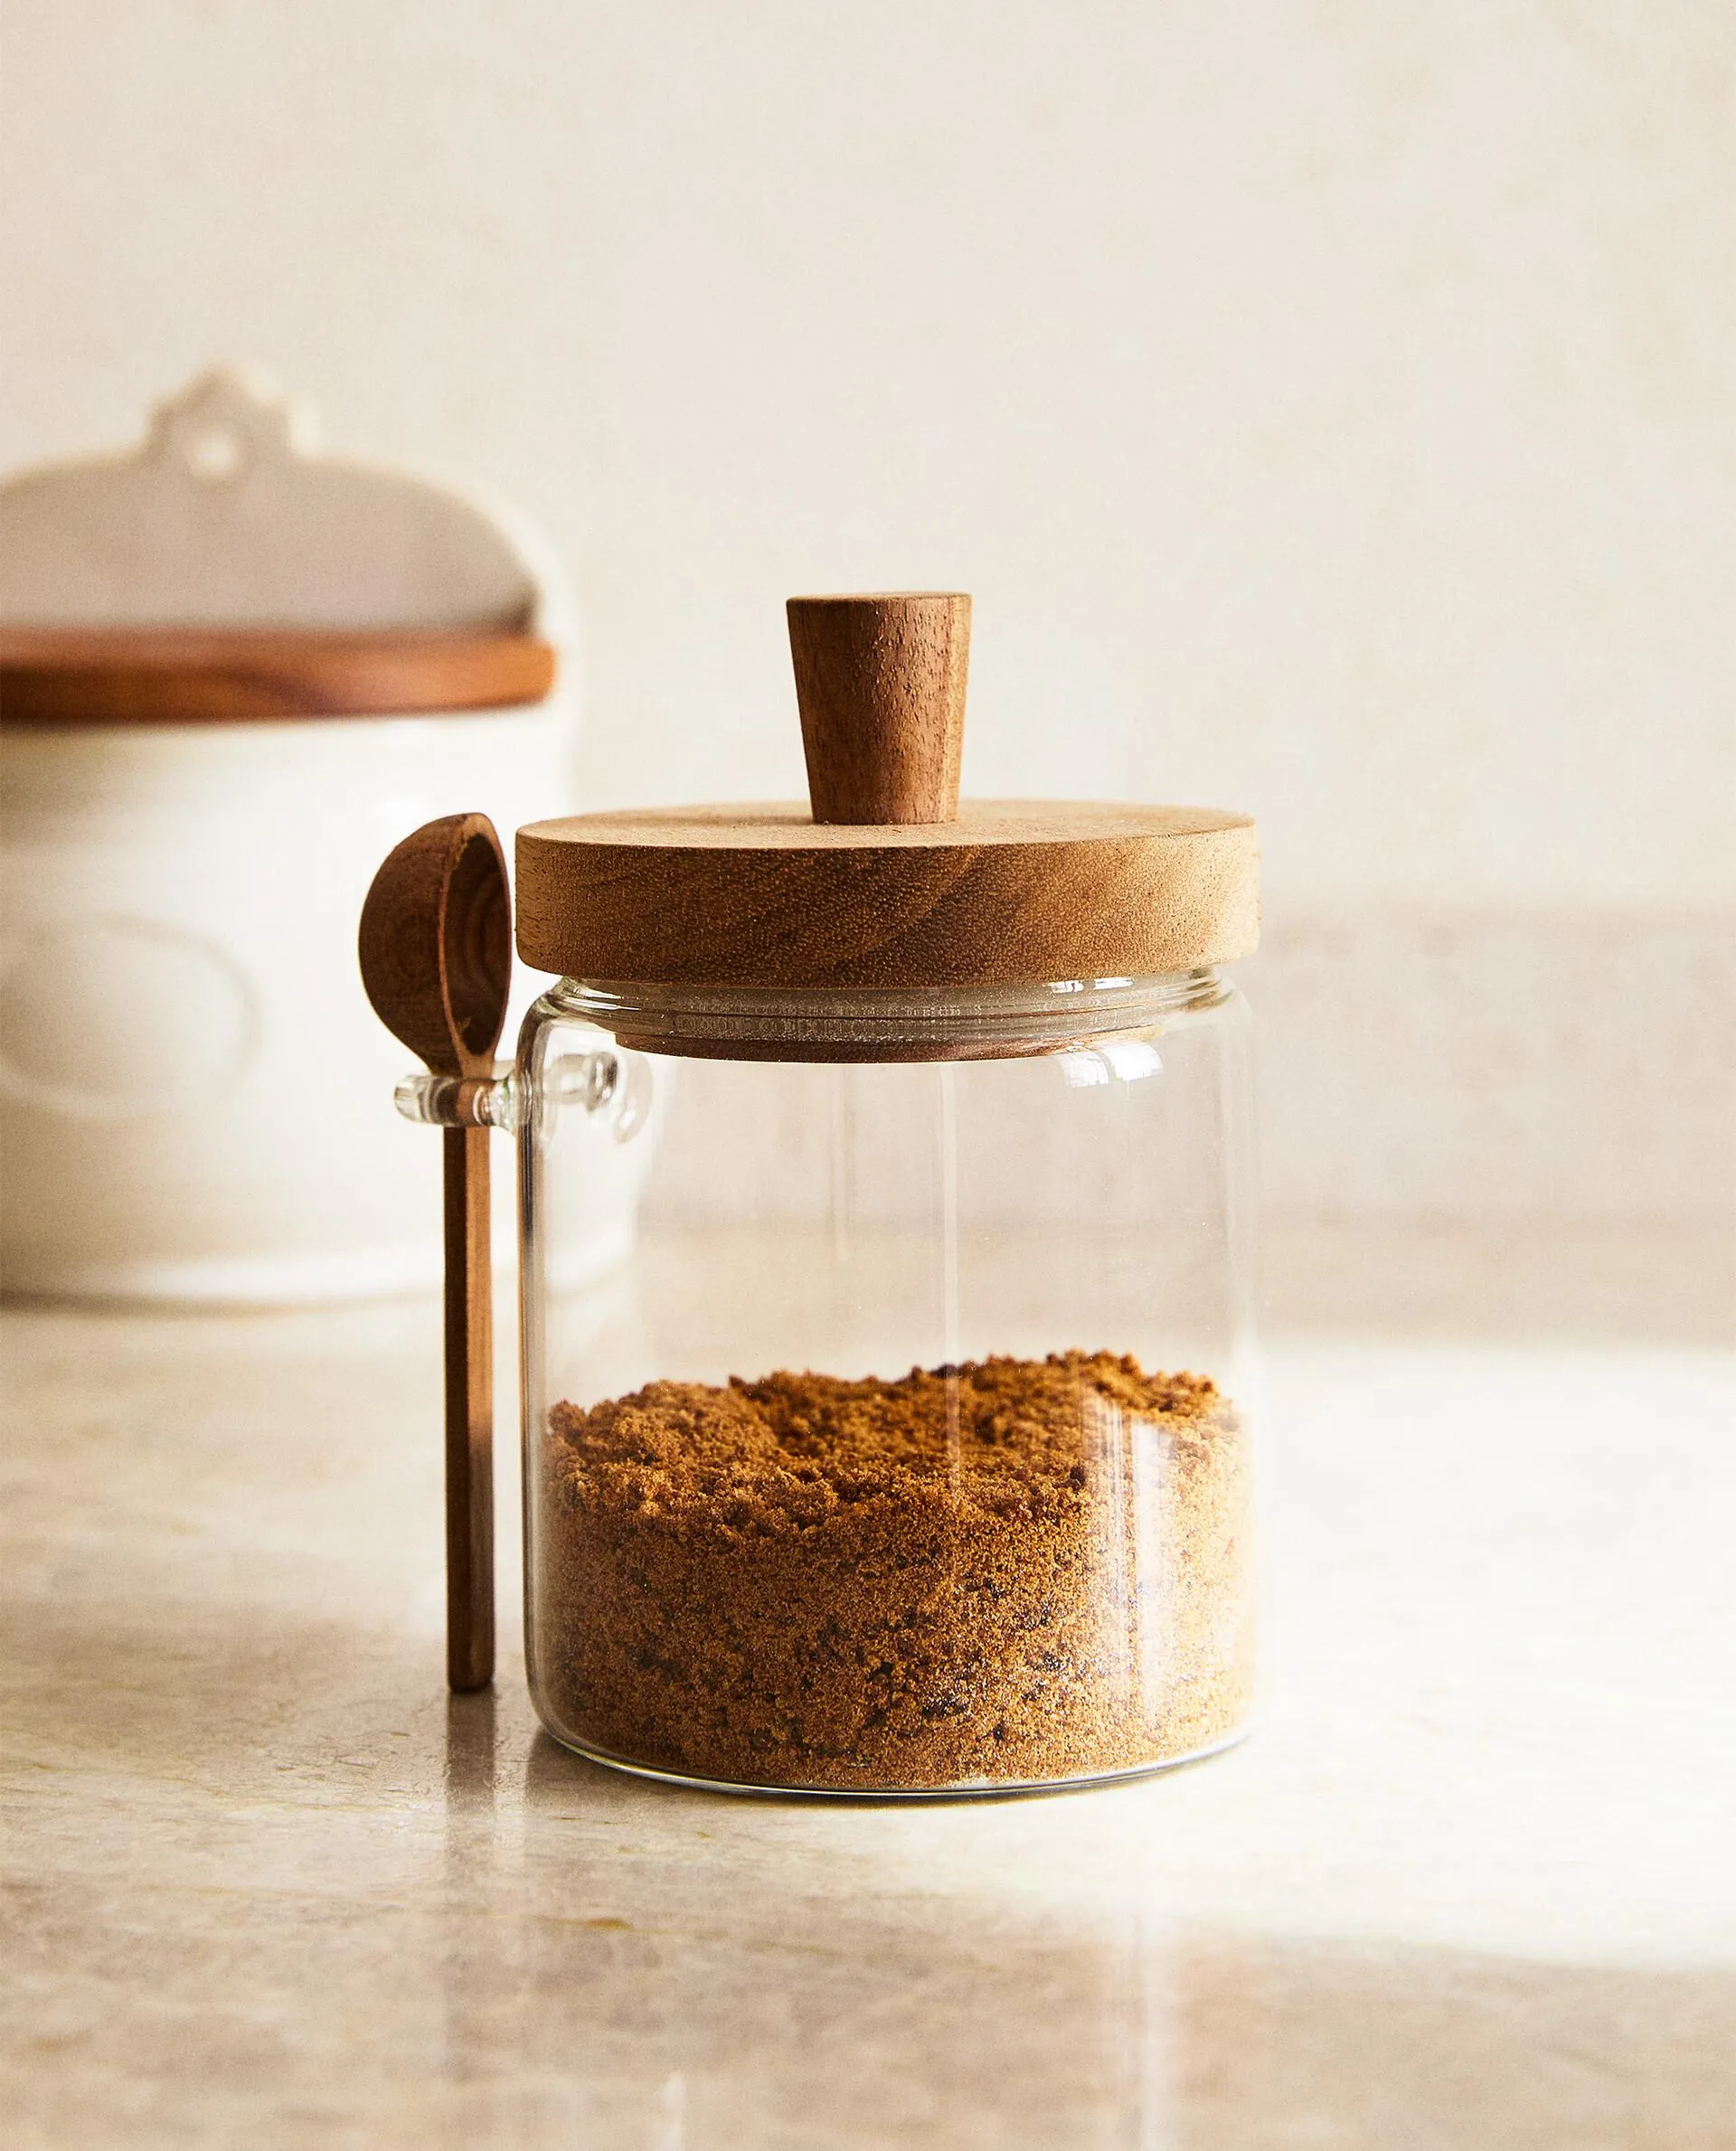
(886, 883)
(229, 675)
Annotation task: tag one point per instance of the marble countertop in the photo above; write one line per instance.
(1471, 1884)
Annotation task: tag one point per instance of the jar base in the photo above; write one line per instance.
(1024, 1789)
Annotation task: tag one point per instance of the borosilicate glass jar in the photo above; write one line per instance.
(885, 1378)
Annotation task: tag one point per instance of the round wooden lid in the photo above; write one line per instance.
(887, 883)
(232, 676)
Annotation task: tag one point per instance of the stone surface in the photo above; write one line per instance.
(1469, 1885)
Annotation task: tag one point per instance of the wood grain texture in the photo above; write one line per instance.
(879, 682)
(469, 1412)
(1012, 893)
(435, 945)
(174, 675)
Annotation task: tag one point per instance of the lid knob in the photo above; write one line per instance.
(879, 681)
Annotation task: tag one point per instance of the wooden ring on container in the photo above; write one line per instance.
(231, 675)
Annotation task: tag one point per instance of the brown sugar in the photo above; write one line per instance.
(1004, 1572)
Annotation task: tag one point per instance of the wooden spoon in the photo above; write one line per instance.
(437, 960)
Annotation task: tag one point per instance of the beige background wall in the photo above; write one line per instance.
(1332, 406)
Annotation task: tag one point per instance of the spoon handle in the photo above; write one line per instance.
(470, 1414)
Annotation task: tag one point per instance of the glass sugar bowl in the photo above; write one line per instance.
(885, 1264)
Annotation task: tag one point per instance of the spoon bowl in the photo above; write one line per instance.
(436, 944)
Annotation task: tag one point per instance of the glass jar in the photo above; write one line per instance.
(884, 1381)
(885, 1264)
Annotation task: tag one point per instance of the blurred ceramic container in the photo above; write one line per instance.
(231, 673)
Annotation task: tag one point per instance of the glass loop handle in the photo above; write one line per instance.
(461, 1101)
(617, 1083)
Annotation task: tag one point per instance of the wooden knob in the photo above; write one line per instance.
(880, 685)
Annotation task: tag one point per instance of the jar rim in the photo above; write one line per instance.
(856, 1023)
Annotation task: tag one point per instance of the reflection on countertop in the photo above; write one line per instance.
(1469, 1885)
